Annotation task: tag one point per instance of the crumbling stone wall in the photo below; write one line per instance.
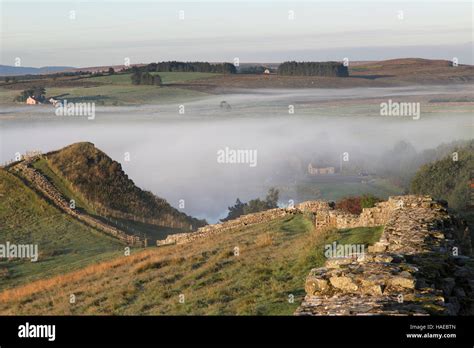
(244, 220)
(420, 266)
(327, 217)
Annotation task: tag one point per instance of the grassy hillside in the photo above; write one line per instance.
(269, 271)
(451, 181)
(101, 188)
(64, 244)
(447, 178)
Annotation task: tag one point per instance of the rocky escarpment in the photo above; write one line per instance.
(420, 266)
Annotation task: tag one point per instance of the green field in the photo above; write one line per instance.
(166, 77)
(118, 95)
(118, 90)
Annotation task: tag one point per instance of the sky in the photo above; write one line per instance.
(95, 33)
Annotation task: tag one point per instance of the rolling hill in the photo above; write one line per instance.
(116, 89)
(8, 70)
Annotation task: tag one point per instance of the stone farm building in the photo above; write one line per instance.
(32, 101)
(320, 170)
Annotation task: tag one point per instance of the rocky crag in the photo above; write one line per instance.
(420, 266)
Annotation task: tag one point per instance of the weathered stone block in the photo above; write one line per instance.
(377, 248)
(315, 285)
(370, 288)
(336, 263)
(344, 283)
(401, 282)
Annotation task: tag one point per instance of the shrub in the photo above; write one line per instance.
(368, 201)
(350, 204)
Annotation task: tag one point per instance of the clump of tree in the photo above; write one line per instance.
(37, 93)
(175, 66)
(448, 178)
(354, 205)
(253, 69)
(313, 69)
(111, 71)
(144, 78)
(254, 205)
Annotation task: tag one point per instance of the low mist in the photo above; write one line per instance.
(174, 154)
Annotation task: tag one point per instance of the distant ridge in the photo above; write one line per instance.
(7, 70)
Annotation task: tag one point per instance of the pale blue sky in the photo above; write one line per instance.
(106, 32)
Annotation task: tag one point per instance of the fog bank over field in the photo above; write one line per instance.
(175, 155)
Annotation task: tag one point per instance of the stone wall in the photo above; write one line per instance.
(244, 220)
(326, 217)
(420, 266)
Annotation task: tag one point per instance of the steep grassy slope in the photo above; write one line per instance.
(448, 178)
(264, 276)
(101, 187)
(64, 244)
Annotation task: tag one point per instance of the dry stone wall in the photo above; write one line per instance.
(326, 217)
(420, 266)
(210, 230)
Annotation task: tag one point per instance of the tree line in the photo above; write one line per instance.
(144, 78)
(313, 69)
(175, 66)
